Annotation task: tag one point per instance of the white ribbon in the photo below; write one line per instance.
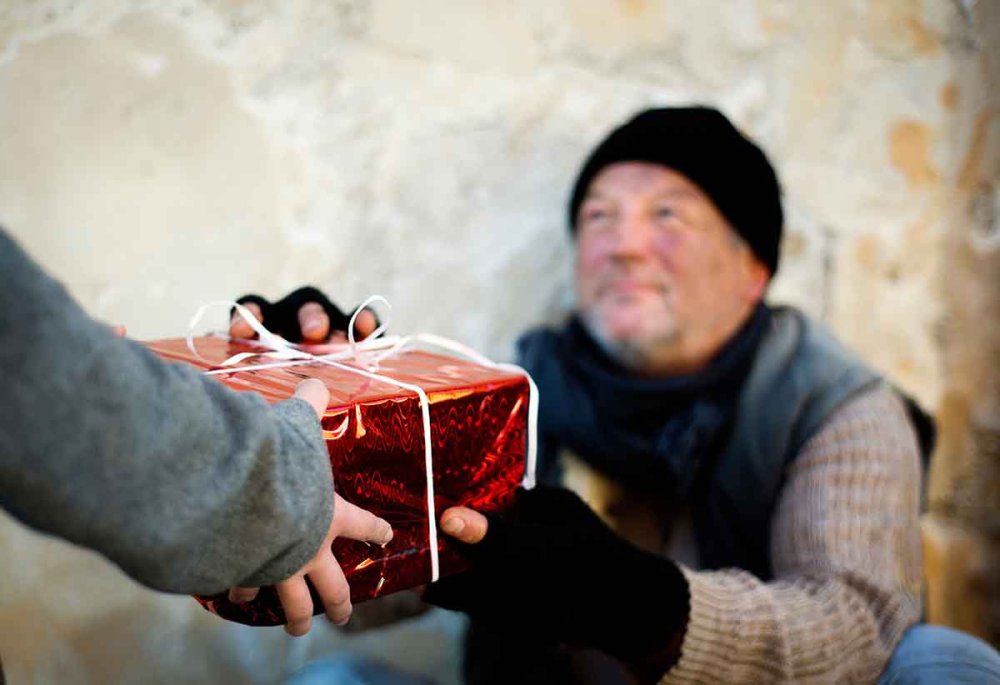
(369, 353)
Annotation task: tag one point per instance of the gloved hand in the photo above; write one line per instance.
(554, 568)
(304, 315)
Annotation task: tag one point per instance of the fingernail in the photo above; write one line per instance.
(453, 525)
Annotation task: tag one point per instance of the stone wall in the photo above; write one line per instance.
(157, 155)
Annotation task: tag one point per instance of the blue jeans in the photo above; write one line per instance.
(927, 655)
(348, 669)
(935, 655)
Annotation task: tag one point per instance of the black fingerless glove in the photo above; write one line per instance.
(554, 568)
(282, 317)
(286, 313)
(266, 309)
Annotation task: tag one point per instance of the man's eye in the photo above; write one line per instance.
(665, 213)
(596, 214)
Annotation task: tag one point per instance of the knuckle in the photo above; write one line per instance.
(297, 610)
(338, 597)
(296, 614)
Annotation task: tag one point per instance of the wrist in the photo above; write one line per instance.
(648, 633)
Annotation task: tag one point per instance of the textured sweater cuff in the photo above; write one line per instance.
(310, 486)
(723, 642)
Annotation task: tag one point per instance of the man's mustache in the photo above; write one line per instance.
(630, 281)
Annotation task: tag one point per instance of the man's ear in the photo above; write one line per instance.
(757, 277)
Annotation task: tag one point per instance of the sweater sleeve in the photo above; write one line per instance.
(188, 486)
(845, 548)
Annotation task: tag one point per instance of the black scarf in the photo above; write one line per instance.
(650, 434)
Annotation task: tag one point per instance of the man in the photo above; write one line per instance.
(762, 483)
(188, 486)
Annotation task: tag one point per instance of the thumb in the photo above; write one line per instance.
(315, 393)
(464, 524)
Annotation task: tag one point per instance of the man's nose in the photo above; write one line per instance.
(631, 237)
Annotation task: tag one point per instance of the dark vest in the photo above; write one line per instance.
(800, 375)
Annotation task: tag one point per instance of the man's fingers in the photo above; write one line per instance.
(297, 603)
(239, 595)
(464, 524)
(354, 523)
(313, 322)
(331, 585)
(239, 328)
(315, 393)
(307, 315)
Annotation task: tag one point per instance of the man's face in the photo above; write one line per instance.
(662, 279)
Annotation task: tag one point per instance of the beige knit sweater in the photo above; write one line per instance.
(845, 549)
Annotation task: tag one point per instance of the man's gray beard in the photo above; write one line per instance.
(632, 354)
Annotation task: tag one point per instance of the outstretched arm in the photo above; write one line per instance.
(188, 486)
(845, 548)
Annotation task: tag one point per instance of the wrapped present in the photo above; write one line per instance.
(475, 454)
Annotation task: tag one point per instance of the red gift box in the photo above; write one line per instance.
(374, 432)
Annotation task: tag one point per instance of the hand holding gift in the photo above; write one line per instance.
(553, 567)
(306, 315)
(323, 571)
(188, 486)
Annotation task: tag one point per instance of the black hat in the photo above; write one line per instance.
(701, 144)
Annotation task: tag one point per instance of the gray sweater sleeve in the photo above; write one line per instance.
(188, 486)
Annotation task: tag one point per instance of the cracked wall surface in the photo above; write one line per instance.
(159, 155)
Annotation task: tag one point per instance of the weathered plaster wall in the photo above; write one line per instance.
(157, 155)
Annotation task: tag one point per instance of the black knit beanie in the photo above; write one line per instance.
(701, 144)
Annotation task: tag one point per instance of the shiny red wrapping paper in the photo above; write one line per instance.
(374, 434)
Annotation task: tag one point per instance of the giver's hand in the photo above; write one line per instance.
(555, 568)
(305, 315)
(323, 570)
